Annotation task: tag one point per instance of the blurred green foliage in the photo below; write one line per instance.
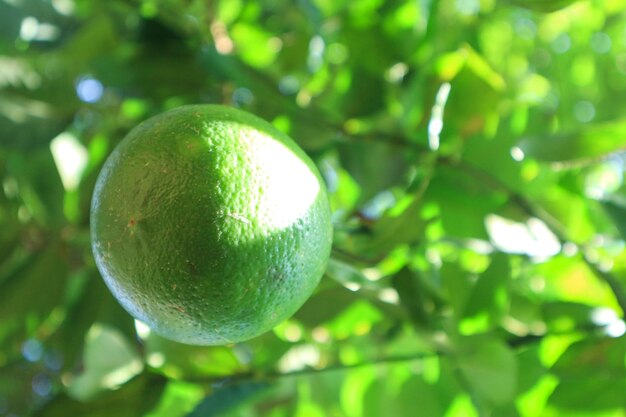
(474, 153)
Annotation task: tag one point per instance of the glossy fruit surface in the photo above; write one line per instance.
(209, 225)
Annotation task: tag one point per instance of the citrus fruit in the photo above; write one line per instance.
(209, 225)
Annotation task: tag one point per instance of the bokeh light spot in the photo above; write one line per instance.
(89, 89)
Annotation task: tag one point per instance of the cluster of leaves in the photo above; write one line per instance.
(473, 150)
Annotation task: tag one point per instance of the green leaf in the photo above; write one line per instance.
(490, 295)
(330, 7)
(40, 186)
(412, 296)
(92, 39)
(358, 318)
(229, 398)
(228, 11)
(592, 393)
(592, 374)
(545, 6)
(30, 294)
(346, 274)
(617, 213)
(309, 409)
(489, 367)
(469, 74)
(493, 156)
(585, 144)
(530, 368)
(563, 316)
(109, 361)
(376, 166)
(379, 399)
(400, 225)
(572, 209)
(16, 386)
(571, 280)
(91, 303)
(254, 44)
(506, 411)
(457, 286)
(353, 390)
(178, 399)
(325, 305)
(133, 399)
(10, 18)
(28, 123)
(463, 202)
(431, 398)
(177, 360)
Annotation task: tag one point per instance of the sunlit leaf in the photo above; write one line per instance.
(354, 388)
(375, 166)
(357, 319)
(570, 279)
(592, 374)
(469, 74)
(347, 274)
(618, 215)
(309, 408)
(430, 397)
(530, 368)
(457, 285)
(490, 368)
(325, 305)
(255, 45)
(109, 361)
(568, 316)
(463, 211)
(177, 360)
(178, 399)
(401, 224)
(490, 293)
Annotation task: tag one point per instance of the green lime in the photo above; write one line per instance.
(209, 225)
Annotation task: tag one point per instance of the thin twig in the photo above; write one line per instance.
(257, 375)
(260, 375)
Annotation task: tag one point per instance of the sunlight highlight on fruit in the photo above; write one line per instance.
(281, 172)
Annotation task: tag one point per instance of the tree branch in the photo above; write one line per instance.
(259, 375)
